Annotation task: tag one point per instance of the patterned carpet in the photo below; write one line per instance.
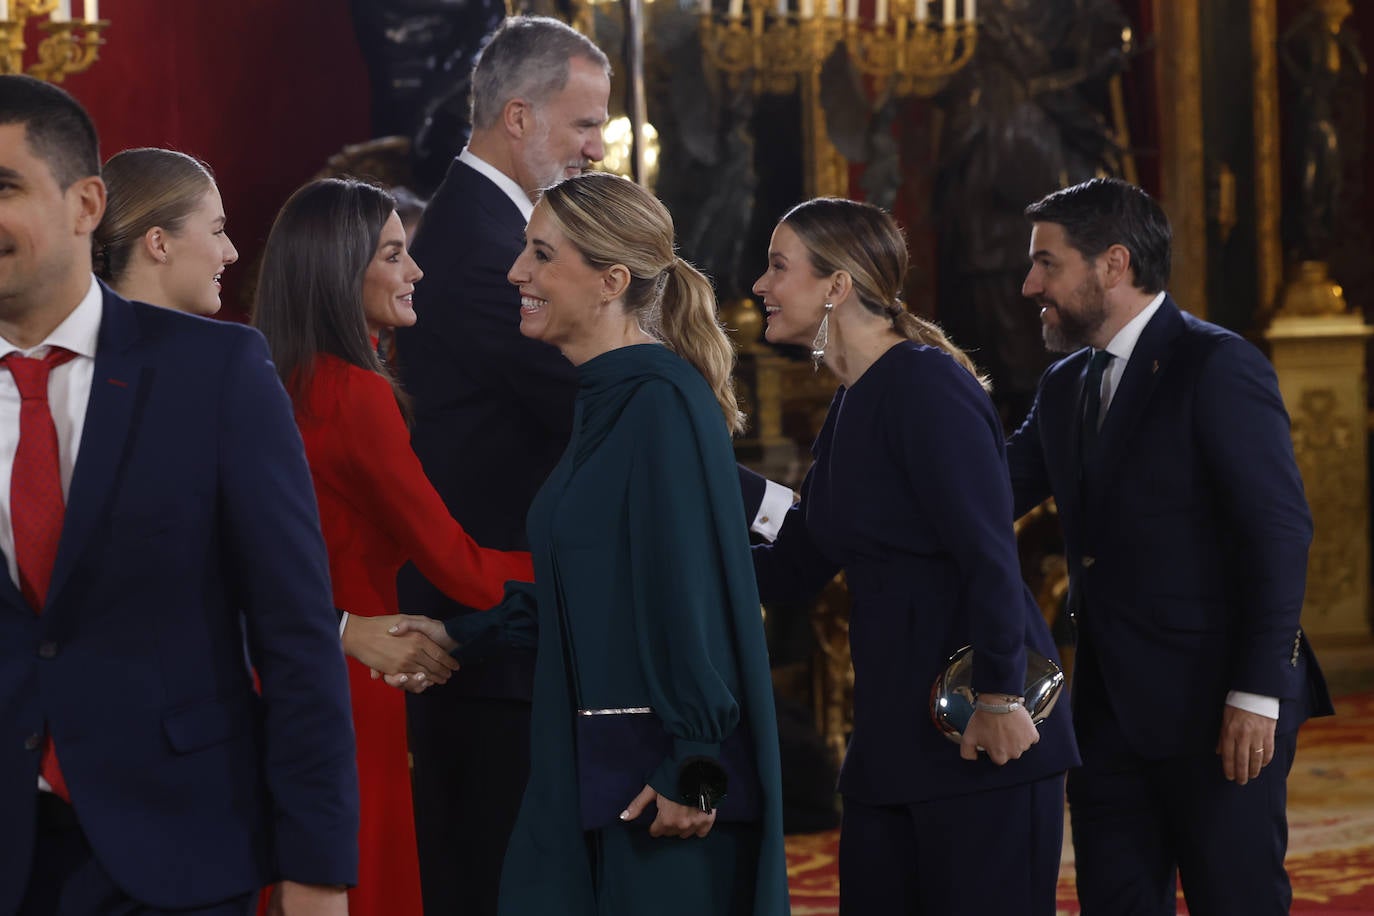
(1330, 819)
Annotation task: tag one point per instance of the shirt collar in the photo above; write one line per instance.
(78, 332)
(1123, 344)
(499, 178)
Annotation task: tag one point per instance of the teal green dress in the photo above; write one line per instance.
(642, 524)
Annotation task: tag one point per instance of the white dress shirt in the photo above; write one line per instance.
(69, 390)
(1121, 347)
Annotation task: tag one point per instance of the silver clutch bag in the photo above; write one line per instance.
(952, 696)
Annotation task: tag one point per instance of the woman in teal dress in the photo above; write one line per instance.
(645, 592)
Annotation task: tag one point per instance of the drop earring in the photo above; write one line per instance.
(822, 338)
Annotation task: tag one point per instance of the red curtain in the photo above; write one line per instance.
(263, 90)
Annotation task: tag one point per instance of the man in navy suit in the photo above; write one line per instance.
(140, 771)
(493, 412)
(1166, 446)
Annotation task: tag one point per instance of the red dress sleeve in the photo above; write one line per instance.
(388, 484)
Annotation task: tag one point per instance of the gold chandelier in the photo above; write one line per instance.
(910, 45)
(63, 51)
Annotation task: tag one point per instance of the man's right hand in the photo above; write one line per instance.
(377, 643)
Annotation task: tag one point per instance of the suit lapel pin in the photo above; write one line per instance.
(1154, 367)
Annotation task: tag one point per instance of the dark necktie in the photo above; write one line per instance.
(1092, 400)
(36, 503)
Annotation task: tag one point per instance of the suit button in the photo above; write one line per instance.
(47, 649)
(1088, 562)
(33, 742)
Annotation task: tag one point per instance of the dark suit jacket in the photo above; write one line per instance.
(493, 409)
(190, 532)
(1187, 531)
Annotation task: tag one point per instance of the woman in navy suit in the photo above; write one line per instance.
(909, 495)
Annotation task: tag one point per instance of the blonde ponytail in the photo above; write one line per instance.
(614, 221)
(689, 327)
(923, 331)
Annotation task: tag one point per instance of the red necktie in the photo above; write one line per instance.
(36, 503)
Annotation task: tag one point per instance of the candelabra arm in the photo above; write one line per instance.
(27, 8)
(62, 53)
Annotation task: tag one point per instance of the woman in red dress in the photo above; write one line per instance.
(335, 273)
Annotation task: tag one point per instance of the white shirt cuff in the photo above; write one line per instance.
(1253, 702)
(777, 499)
(343, 622)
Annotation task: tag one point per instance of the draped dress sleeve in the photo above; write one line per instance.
(681, 605)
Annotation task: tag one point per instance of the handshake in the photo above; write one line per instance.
(408, 651)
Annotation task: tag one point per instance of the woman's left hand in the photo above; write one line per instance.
(673, 819)
(1005, 736)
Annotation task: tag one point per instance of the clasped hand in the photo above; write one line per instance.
(1005, 736)
(407, 655)
(427, 633)
(672, 819)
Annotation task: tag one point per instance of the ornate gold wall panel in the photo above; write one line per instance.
(1183, 191)
(1321, 369)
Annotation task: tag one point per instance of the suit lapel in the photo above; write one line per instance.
(501, 210)
(116, 387)
(1148, 362)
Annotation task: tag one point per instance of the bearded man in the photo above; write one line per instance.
(1165, 443)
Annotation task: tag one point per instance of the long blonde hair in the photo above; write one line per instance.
(865, 242)
(614, 221)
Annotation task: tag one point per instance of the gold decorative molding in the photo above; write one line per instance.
(906, 47)
(1268, 179)
(1324, 430)
(64, 51)
(783, 56)
(1184, 191)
